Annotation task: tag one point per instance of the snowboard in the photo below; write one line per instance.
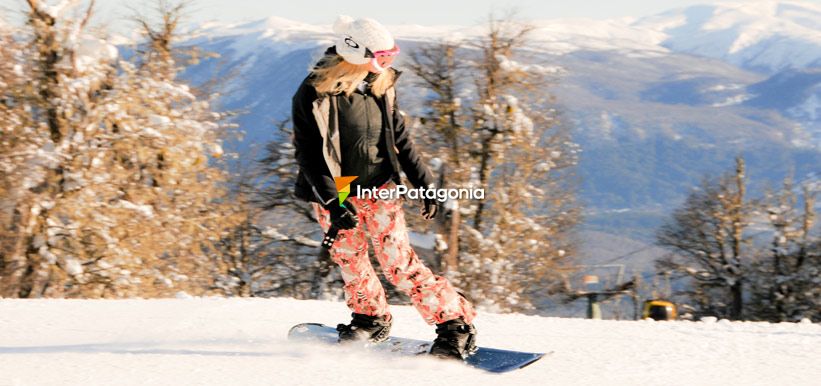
(488, 359)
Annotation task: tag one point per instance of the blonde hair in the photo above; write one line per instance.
(333, 75)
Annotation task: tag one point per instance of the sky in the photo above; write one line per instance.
(424, 12)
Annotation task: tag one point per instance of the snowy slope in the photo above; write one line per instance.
(242, 341)
(277, 33)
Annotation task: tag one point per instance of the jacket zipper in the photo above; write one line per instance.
(367, 137)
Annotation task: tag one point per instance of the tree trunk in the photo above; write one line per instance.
(452, 255)
(15, 262)
(737, 301)
(483, 177)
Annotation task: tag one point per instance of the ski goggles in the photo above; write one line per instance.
(382, 59)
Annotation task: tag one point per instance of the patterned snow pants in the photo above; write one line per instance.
(384, 222)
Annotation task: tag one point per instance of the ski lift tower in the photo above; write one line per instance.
(591, 284)
(597, 290)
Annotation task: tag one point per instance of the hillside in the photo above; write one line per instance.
(653, 109)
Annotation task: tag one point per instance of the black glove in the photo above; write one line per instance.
(431, 208)
(342, 217)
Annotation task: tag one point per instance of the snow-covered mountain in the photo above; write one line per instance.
(656, 102)
(212, 341)
(767, 36)
(761, 35)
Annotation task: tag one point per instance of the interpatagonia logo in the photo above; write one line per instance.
(430, 192)
(343, 187)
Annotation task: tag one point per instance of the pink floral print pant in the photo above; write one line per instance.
(384, 222)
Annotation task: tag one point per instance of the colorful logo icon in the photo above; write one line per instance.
(343, 187)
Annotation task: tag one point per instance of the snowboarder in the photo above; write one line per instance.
(347, 123)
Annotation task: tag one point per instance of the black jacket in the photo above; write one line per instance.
(362, 139)
(314, 180)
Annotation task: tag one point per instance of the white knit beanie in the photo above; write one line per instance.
(360, 34)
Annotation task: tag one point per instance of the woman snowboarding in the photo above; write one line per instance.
(347, 124)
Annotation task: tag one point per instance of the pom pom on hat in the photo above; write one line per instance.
(342, 23)
(359, 34)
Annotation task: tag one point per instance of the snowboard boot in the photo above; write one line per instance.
(363, 327)
(455, 339)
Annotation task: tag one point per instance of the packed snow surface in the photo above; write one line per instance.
(243, 341)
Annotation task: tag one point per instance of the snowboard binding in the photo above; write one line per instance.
(368, 328)
(455, 340)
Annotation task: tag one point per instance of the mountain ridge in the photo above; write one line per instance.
(737, 32)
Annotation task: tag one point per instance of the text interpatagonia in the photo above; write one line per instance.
(420, 193)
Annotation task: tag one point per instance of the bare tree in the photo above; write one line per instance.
(114, 194)
(438, 71)
(504, 138)
(12, 116)
(785, 286)
(273, 252)
(706, 236)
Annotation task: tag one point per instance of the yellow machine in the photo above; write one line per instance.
(659, 310)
